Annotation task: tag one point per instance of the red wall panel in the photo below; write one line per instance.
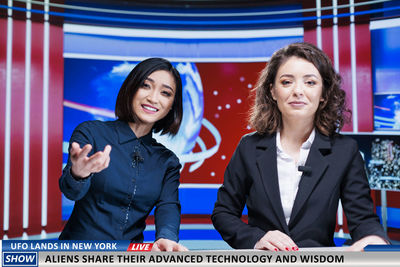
(36, 126)
(17, 127)
(345, 67)
(56, 95)
(364, 79)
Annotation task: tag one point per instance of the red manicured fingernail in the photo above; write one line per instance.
(276, 249)
(295, 248)
(287, 248)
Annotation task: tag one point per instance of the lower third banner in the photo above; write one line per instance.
(114, 253)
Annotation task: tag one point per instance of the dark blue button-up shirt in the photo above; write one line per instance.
(114, 203)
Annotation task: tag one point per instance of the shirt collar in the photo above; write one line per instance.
(125, 134)
(306, 145)
(278, 142)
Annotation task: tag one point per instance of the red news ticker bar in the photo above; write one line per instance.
(140, 247)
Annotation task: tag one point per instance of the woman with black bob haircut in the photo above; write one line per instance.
(115, 189)
(123, 107)
(293, 170)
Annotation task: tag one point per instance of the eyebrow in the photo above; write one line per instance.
(306, 76)
(164, 85)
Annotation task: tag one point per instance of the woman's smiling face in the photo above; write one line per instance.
(154, 98)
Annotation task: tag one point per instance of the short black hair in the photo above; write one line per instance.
(123, 107)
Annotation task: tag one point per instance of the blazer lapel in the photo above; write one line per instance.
(316, 160)
(267, 166)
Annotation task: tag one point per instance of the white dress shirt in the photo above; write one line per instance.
(288, 174)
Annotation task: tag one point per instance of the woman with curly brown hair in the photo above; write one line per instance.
(293, 170)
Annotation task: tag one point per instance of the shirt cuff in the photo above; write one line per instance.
(78, 178)
(74, 182)
(167, 234)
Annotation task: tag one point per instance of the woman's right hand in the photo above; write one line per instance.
(82, 165)
(163, 244)
(275, 241)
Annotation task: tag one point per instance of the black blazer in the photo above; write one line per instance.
(251, 178)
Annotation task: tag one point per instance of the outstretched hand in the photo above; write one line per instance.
(82, 165)
(163, 244)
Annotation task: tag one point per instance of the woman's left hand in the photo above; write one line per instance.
(368, 240)
(163, 244)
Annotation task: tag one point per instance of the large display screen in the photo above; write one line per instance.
(385, 45)
(216, 100)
